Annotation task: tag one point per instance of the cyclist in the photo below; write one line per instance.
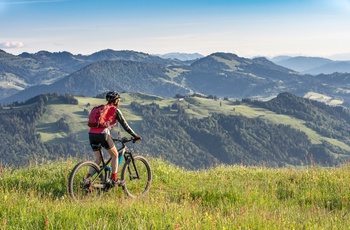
(101, 137)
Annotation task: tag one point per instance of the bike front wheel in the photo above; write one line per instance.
(79, 186)
(137, 175)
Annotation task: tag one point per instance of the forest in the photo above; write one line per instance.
(21, 144)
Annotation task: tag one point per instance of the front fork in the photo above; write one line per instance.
(134, 174)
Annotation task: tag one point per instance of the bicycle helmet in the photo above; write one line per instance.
(112, 96)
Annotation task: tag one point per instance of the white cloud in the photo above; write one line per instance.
(13, 44)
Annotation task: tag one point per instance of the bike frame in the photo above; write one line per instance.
(122, 151)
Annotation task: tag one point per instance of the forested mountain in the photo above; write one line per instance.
(170, 131)
(228, 75)
(127, 55)
(25, 70)
(102, 76)
(39, 68)
(219, 74)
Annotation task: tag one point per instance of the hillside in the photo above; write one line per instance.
(120, 75)
(193, 132)
(223, 75)
(225, 197)
(19, 72)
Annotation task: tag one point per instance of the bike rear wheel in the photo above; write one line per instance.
(137, 175)
(80, 187)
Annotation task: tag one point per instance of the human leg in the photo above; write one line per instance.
(114, 162)
(96, 145)
(114, 155)
(97, 160)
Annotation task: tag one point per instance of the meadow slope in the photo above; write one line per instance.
(225, 197)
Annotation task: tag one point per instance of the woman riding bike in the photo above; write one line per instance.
(100, 137)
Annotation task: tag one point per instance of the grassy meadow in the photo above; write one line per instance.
(225, 197)
(195, 107)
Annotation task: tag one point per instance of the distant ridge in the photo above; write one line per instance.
(312, 65)
(181, 56)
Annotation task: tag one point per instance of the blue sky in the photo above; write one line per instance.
(245, 27)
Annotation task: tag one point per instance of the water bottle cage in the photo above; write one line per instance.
(108, 168)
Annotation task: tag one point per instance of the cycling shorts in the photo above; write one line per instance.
(100, 139)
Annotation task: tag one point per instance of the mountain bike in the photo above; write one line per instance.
(136, 172)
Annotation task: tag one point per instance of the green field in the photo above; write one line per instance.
(194, 107)
(225, 197)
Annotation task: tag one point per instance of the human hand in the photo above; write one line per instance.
(137, 138)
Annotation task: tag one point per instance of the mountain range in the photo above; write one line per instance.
(220, 74)
(312, 65)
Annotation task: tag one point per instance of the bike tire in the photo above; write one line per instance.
(135, 187)
(80, 187)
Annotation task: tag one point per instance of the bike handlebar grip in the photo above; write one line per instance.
(137, 138)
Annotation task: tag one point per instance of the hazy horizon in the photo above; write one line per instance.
(181, 53)
(247, 28)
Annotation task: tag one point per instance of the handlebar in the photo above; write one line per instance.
(125, 140)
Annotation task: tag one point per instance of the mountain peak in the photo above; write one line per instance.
(181, 56)
(228, 56)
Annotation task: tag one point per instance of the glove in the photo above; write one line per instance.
(137, 138)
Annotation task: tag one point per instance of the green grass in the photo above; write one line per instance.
(225, 197)
(194, 107)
